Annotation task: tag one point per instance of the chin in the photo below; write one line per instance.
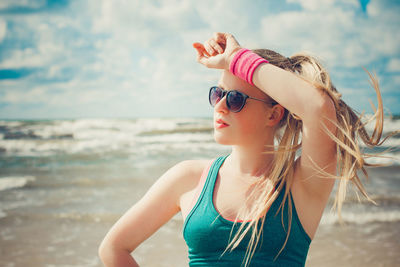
(222, 139)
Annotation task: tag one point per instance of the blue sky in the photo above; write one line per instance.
(103, 58)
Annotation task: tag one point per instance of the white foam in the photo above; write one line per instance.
(14, 182)
(365, 217)
(126, 135)
(392, 142)
(10, 123)
(176, 138)
(386, 159)
(98, 135)
(389, 125)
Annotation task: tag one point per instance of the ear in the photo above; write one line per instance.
(275, 115)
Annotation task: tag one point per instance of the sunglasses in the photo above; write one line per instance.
(235, 100)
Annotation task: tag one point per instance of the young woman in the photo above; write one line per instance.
(261, 204)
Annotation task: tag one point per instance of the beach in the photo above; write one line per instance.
(64, 183)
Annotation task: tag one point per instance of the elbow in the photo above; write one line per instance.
(322, 116)
(104, 252)
(324, 110)
(326, 114)
(328, 110)
(107, 252)
(113, 255)
(325, 105)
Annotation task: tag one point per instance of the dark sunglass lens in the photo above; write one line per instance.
(235, 101)
(215, 95)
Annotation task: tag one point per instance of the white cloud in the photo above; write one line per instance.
(151, 42)
(23, 58)
(141, 23)
(31, 96)
(162, 32)
(338, 35)
(3, 30)
(48, 45)
(21, 3)
(323, 4)
(313, 4)
(139, 52)
(393, 65)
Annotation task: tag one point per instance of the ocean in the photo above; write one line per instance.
(64, 183)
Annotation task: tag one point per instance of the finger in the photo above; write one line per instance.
(231, 39)
(216, 46)
(201, 53)
(210, 50)
(198, 46)
(220, 37)
(201, 49)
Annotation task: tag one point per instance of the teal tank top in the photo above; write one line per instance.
(207, 234)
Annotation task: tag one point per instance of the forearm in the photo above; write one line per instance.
(295, 94)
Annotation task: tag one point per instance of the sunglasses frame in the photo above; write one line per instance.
(226, 93)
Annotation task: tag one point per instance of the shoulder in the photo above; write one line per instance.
(175, 182)
(189, 181)
(187, 173)
(182, 179)
(183, 176)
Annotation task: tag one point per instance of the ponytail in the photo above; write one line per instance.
(350, 158)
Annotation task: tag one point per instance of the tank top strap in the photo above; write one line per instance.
(213, 174)
(204, 196)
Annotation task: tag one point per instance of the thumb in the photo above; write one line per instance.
(200, 49)
(202, 54)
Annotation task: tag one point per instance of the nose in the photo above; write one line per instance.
(221, 106)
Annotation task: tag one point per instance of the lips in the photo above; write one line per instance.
(220, 124)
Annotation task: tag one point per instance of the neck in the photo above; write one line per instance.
(251, 161)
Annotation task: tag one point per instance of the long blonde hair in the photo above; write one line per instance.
(350, 159)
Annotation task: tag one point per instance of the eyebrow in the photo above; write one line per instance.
(224, 88)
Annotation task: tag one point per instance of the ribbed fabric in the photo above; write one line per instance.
(245, 63)
(207, 233)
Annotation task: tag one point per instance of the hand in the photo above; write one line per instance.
(218, 51)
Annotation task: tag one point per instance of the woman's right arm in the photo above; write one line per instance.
(156, 208)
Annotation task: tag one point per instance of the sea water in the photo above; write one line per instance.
(63, 183)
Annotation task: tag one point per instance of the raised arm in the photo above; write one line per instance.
(158, 206)
(300, 97)
(317, 113)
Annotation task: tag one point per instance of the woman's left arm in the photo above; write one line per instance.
(318, 115)
(301, 98)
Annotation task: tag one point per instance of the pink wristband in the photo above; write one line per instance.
(244, 64)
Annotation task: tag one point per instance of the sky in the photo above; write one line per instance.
(126, 59)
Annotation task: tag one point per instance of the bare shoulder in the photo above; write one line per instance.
(177, 181)
(187, 173)
(190, 183)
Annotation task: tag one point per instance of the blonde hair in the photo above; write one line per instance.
(350, 158)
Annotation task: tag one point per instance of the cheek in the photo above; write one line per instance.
(245, 127)
(253, 125)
